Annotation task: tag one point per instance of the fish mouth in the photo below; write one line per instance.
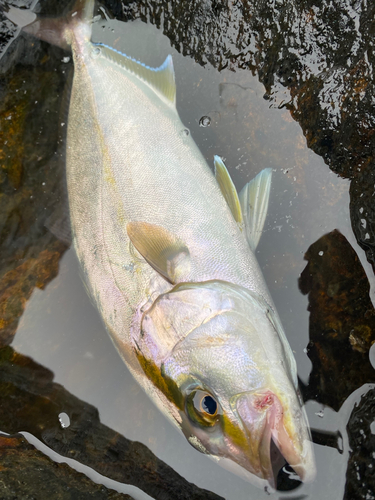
(275, 437)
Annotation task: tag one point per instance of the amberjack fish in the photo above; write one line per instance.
(167, 251)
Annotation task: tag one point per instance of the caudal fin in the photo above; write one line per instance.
(52, 30)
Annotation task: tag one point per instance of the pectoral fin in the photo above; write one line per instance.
(254, 199)
(164, 251)
(228, 189)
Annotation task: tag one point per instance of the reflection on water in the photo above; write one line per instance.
(330, 329)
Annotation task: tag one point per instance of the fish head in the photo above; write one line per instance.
(228, 378)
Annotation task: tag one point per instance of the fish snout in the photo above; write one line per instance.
(266, 421)
(259, 413)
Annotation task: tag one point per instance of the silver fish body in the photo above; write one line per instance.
(169, 267)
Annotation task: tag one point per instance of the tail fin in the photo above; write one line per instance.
(52, 30)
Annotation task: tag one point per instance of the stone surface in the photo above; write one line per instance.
(342, 326)
(27, 474)
(342, 320)
(32, 402)
(31, 182)
(360, 476)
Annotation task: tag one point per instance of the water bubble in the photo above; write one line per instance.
(66, 59)
(321, 252)
(185, 132)
(64, 420)
(95, 52)
(205, 121)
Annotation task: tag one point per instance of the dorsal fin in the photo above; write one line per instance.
(159, 79)
(228, 189)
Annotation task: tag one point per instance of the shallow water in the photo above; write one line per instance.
(61, 330)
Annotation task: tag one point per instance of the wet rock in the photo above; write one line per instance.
(27, 473)
(328, 438)
(362, 213)
(32, 402)
(17, 285)
(31, 180)
(319, 52)
(342, 320)
(360, 475)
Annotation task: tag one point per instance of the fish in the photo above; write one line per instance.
(166, 248)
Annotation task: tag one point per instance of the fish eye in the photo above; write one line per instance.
(208, 405)
(202, 408)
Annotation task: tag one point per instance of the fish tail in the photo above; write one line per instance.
(57, 31)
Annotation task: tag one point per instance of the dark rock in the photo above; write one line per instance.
(342, 320)
(362, 214)
(360, 476)
(32, 402)
(27, 473)
(328, 438)
(31, 183)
